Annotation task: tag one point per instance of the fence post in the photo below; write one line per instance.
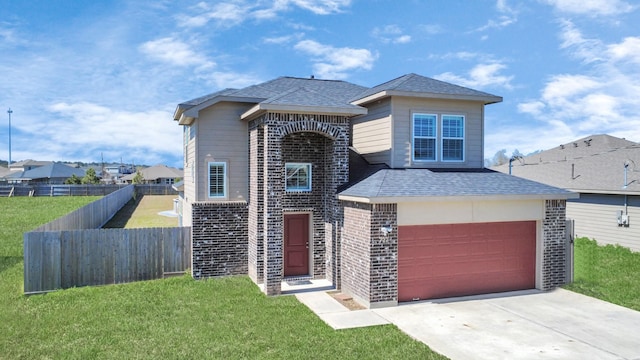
(569, 250)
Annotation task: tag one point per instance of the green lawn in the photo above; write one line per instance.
(144, 212)
(610, 273)
(176, 318)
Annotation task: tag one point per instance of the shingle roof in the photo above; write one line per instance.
(50, 171)
(336, 89)
(591, 164)
(425, 184)
(204, 98)
(307, 97)
(157, 172)
(422, 84)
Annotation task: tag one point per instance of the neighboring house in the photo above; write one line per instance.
(158, 174)
(380, 190)
(4, 172)
(53, 173)
(605, 170)
(27, 165)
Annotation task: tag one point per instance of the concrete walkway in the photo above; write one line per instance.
(559, 324)
(336, 315)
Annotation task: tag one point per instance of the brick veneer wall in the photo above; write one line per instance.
(219, 239)
(554, 265)
(288, 137)
(356, 252)
(309, 148)
(384, 254)
(369, 257)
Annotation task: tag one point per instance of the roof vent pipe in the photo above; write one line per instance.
(626, 168)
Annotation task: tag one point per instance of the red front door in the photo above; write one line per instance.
(296, 244)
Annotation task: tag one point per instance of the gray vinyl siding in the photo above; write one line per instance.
(595, 217)
(223, 137)
(190, 141)
(403, 108)
(371, 133)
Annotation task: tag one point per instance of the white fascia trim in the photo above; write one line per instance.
(302, 109)
(484, 99)
(409, 199)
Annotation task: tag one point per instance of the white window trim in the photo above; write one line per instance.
(413, 138)
(310, 169)
(464, 138)
(225, 176)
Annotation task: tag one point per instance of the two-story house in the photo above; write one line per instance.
(380, 190)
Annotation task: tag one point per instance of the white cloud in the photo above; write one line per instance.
(320, 7)
(626, 51)
(604, 99)
(391, 34)
(334, 63)
(588, 50)
(591, 8)
(283, 39)
(480, 76)
(175, 52)
(232, 13)
(83, 131)
(507, 16)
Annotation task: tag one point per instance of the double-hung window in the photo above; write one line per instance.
(298, 176)
(452, 138)
(425, 132)
(217, 180)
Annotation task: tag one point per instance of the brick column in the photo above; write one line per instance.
(553, 237)
(273, 180)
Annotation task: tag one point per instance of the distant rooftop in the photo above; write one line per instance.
(595, 164)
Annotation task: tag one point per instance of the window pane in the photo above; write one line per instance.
(424, 137)
(424, 149)
(216, 179)
(298, 177)
(452, 126)
(424, 125)
(452, 149)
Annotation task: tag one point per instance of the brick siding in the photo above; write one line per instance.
(553, 238)
(219, 239)
(369, 257)
(275, 139)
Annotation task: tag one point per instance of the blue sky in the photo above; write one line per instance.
(87, 79)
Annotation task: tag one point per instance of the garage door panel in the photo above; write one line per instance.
(463, 259)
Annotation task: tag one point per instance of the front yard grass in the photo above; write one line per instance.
(173, 318)
(610, 273)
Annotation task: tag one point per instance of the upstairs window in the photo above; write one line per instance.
(217, 180)
(452, 138)
(298, 176)
(424, 137)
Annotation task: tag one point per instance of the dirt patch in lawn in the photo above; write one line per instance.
(346, 300)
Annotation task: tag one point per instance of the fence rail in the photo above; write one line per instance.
(82, 190)
(63, 259)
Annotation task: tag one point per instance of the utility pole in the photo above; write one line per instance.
(9, 112)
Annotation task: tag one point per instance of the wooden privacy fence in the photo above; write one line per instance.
(94, 215)
(64, 259)
(82, 190)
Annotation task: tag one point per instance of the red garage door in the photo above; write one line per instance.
(436, 261)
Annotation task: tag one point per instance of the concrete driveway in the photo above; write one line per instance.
(522, 325)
